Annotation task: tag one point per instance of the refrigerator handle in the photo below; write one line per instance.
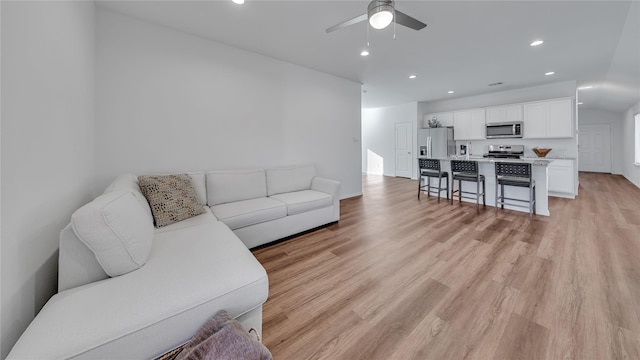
(429, 147)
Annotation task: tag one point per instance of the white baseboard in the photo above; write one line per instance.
(562, 195)
(346, 196)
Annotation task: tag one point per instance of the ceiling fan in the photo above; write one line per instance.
(380, 14)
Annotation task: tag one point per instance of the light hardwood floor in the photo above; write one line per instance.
(402, 278)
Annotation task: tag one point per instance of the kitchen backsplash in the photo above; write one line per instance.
(561, 148)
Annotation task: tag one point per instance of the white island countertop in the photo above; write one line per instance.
(539, 173)
(480, 159)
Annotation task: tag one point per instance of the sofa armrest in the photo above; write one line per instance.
(331, 187)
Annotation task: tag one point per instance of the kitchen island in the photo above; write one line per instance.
(487, 168)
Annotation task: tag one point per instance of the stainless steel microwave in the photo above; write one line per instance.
(504, 130)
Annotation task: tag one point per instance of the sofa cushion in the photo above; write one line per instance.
(129, 182)
(203, 218)
(199, 183)
(249, 212)
(288, 179)
(117, 229)
(303, 201)
(225, 186)
(172, 198)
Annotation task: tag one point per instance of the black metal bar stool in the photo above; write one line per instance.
(515, 174)
(430, 168)
(465, 170)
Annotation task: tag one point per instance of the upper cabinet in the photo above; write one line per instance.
(560, 118)
(542, 119)
(445, 119)
(503, 114)
(535, 120)
(469, 124)
(548, 119)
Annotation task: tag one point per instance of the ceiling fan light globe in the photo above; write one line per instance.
(381, 20)
(380, 13)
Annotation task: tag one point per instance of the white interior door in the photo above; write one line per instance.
(404, 149)
(595, 148)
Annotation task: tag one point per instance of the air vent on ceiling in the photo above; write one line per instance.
(495, 83)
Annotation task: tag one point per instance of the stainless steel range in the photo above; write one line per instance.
(505, 151)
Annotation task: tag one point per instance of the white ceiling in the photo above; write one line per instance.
(466, 45)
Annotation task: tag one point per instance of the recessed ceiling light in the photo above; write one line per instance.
(549, 73)
(364, 53)
(585, 87)
(239, 2)
(536, 43)
(450, 92)
(412, 76)
(580, 103)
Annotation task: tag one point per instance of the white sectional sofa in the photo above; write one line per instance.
(193, 268)
(261, 206)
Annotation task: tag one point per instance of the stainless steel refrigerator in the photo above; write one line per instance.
(436, 143)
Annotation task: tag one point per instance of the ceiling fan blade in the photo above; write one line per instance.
(349, 22)
(408, 21)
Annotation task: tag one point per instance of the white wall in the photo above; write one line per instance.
(630, 170)
(1, 332)
(170, 101)
(378, 135)
(47, 146)
(614, 120)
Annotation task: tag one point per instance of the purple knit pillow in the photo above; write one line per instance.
(223, 338)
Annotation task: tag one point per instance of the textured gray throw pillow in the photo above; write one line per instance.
(172, 198)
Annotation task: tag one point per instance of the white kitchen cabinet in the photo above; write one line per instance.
(560, 122)
(469, 124)
(504, 114)
(548, 119)
(535, 120)
(562, 178)
(445, 119)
